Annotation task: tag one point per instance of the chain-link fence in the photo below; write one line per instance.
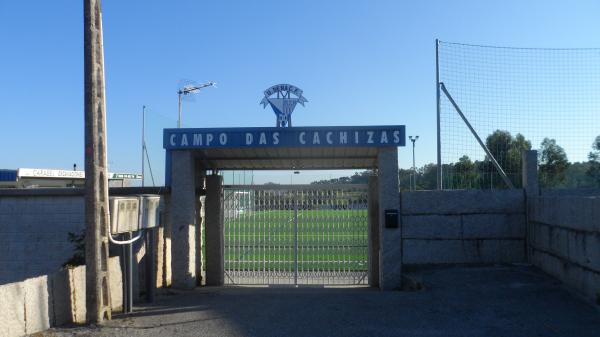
(516, 99)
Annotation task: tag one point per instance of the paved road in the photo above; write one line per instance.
(490, 301)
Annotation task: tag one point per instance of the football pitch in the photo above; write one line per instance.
(326, 240)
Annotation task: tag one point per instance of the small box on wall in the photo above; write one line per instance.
(391, 218)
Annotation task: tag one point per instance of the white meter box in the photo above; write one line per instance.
(151, 211)
(124, 214)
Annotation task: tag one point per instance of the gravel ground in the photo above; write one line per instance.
(456, 301)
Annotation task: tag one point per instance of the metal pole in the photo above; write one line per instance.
(98, 301)
(143, 140)
(485, 148)
(179, 118)
(130, 274)
(439, 138)
(414, 167)
(296, 240)
(125, 277)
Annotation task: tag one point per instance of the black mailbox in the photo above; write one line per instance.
(391, 218)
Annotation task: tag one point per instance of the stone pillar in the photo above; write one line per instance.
(373, 215)
(530, 173)
(215, 244)
(531, 186)
(390, 257)
(182, 214)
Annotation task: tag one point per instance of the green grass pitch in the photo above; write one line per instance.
(328, 240)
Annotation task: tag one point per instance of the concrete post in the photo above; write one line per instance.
(215, 245)
(167, 274)
(199, 199)
(390, 258)
(98, 301)
(373, 215)
(531, 186)
(530, 173)
(182, 213)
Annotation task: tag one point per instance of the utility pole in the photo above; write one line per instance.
(98, 300)
(143, 140)
(414, 180)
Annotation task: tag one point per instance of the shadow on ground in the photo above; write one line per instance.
(458, 301)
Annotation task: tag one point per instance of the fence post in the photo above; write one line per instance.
(373, 218)
(214, 231)
(532, 189)
(530, 173)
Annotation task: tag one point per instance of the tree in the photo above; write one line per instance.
(465, 173)
(427, 177)
(507, 150)
(593, 170)
(553, 163)
(356, 178)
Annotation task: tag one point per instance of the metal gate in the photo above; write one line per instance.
(296, 234)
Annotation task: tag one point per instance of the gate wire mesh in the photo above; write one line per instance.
(298, 234)
(520, 98)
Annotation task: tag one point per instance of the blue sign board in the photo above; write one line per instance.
(322, 136)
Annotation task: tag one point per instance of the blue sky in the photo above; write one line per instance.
(358, 62)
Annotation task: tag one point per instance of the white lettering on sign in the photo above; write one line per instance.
(396, 137)
(384, 139)
(343, 137)
(328, 137)
(370, 137)
(184, 141)
(197, 139)
(266, 137)
(49, 173)
(316, 139)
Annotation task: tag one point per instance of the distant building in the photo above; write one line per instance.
(35, 178)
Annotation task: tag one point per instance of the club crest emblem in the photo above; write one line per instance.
(280, 98)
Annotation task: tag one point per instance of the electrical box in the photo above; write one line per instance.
(124, 214)
(150, 211)
(391, 218)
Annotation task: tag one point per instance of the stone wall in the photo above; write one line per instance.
(34, 227)
(564, 240)
(463, 226)
(38, 303)
(33, 234)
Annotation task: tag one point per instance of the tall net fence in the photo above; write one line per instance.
(515, 99)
